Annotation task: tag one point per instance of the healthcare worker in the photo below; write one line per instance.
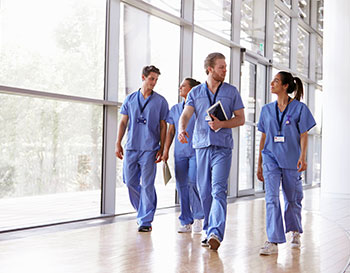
(146, 111)
(212, 140)
(185, 165)
(284, 125)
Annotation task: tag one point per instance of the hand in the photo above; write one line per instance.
(165, 156)
(159, 156)
(215, 123)
(301, 165)
(182, 137)
(119, 151)
(260, 173)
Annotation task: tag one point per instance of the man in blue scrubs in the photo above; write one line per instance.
(146, 112)
(212, 140)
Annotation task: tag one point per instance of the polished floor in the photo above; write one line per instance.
(114, 245)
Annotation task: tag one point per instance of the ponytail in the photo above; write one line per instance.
(294, 84)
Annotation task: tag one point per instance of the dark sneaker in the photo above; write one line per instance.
(205, 243)
(145, 229)
(213, 242)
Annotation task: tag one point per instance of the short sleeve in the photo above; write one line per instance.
(190, 99)
(261, 126)
(125, 109)
(237, 102)
(170, 118)
(164, 111)
(306, 121)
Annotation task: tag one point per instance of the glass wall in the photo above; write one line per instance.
(60, 50)
(173, 6)
(319, 60)
(214, 15)
(253, 25)
(303, 10)
(281, 41)
(303, 52)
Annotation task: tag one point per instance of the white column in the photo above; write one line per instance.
(336, 109)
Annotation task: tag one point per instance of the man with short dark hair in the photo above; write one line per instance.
(212, 140)
(146, 112)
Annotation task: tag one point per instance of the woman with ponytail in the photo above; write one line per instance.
(284, 125)
(191, 214)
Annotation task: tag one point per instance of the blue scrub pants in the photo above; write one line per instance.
(293, 195)
(213, 168)
(186, 185)
(143, 197)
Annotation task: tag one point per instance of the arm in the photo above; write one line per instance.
(236, 121)
(162, 140)
(121, 131)
(183, 122)
(169, 139)
(302, 165)
(261, 147)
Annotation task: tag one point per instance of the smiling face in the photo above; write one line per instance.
(277, 87)
(184, 88)
(150, 81)
(218, 72)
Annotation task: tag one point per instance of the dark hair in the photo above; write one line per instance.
(148, 69)
(211, 59)
(294, 84)
(192, 82)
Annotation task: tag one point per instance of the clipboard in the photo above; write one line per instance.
(166, 173)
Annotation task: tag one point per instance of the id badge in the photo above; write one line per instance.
(278, 139)
(141, 120)
(208, 118)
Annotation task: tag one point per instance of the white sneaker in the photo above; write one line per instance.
(268, 248)
(185, 228)
(295, 243)
(197, 226)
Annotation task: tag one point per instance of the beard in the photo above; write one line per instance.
(218, 78)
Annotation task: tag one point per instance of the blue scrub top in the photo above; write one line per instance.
(144, 137)
(297, 120)
(231, 101)
(181, 149)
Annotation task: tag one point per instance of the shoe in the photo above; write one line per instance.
(197, 226)
(213, 242)
(268, 248)
(205, 243)
(185, 228)
(145, 228)
(295, 243)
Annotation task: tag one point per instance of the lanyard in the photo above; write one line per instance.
(144, 106)
(283, 114)
(215, 95)
(183, 106)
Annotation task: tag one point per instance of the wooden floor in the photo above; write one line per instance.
(114, 245)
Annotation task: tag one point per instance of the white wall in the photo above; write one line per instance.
(336, 109)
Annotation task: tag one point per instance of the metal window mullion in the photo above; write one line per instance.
(110, 120)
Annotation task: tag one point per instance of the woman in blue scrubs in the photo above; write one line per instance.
(185, 166)
(284, 125)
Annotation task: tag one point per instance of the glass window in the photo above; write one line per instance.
(317, 159)
(253, 25)
(143, 45)
(246, 157)
(303, 52)
(54, 46)
(288, 3)
(318, 110)
(281, 42)
(303, 9)
(173, 6)
(320, 17)
(248, 82)
(201, 48)
(319, 60)
(50, 165)
(214, 15)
